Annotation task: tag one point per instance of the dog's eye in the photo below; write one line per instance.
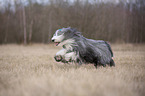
(59, 33)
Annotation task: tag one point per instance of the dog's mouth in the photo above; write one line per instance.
(57, 43)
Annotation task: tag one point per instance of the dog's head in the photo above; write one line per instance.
(64, 35)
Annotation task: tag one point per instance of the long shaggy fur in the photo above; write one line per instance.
(81, 49)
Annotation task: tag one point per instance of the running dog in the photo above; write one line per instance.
(79, 49)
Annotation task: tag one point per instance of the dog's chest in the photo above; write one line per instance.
(68, 47)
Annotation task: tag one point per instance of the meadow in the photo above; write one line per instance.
(32, 71)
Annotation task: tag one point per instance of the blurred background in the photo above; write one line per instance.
(35, 21)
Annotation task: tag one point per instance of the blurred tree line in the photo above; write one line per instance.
(122, 22)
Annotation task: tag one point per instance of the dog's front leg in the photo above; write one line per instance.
(59, 55)
(69, 57)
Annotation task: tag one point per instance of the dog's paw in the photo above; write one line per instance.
(58, 58)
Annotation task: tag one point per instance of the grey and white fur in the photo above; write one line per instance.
(79, 49)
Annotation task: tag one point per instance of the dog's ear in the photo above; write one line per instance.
(69, 27)
(68, 31)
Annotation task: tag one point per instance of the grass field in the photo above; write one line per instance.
(32, 71)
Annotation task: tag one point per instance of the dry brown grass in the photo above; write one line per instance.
(32, 71)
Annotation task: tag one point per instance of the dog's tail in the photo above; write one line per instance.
(112, 63)
(108, 45)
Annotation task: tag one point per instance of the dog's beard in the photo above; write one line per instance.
(68, 41)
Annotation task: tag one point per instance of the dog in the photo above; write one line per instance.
(76, 48)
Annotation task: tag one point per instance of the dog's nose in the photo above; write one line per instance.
(52, 40)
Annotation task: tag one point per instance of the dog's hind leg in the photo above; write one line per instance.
(112, 63)
(96, 63)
